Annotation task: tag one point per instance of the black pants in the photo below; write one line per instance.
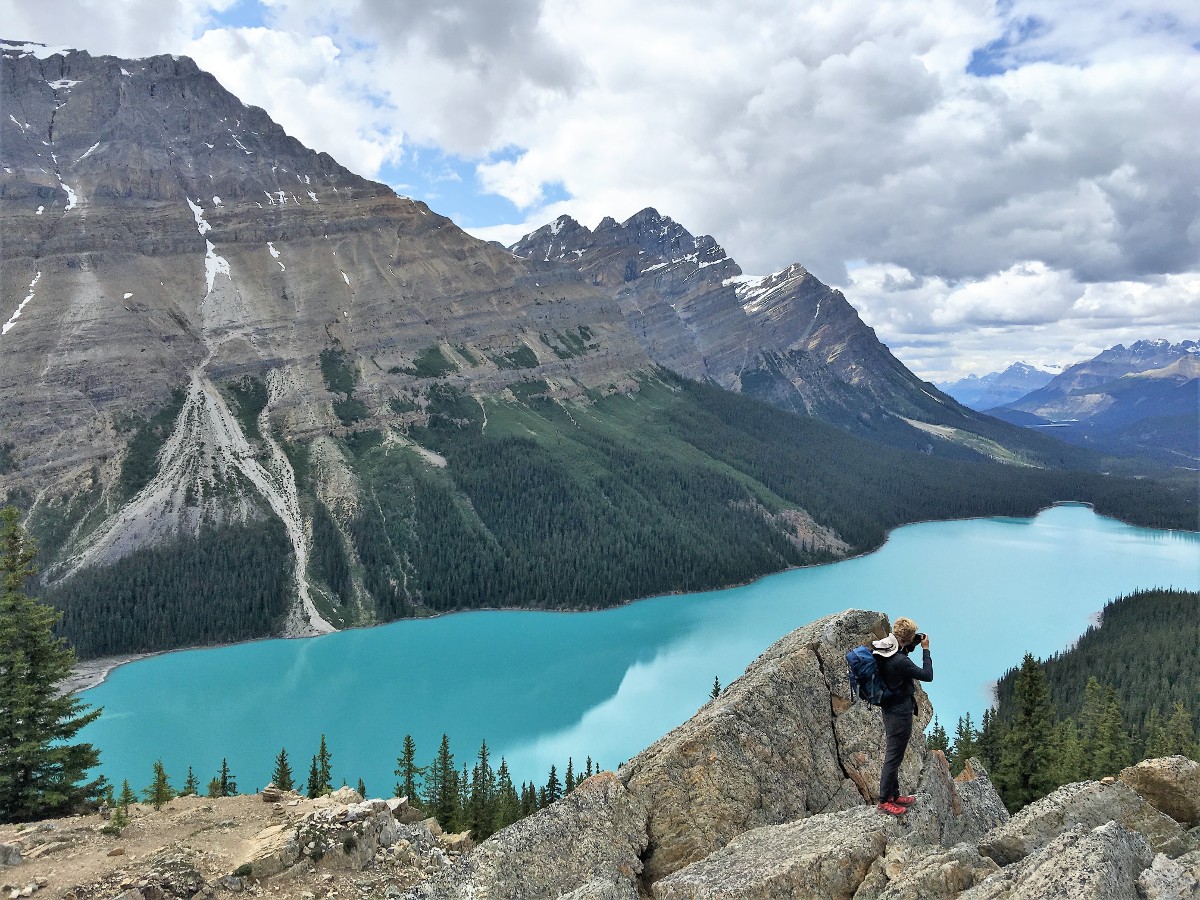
(897, 726)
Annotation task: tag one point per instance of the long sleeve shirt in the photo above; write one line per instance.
(899, 674)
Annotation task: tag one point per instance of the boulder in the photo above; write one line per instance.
(1088, 803)
(820, 856)
(781, 743)
(587, 846)
(1171, 879)
(1170, 784)
(10, 854)
(340, 837)
(922, 872)
(949, 811)
(1082, 863)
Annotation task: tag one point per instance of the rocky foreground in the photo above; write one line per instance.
(766, 792)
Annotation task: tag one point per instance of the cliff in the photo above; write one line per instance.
(767, 792)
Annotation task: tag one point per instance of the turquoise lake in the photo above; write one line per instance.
(541, 687)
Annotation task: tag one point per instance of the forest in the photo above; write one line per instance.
(1125, 692)
(679, 487)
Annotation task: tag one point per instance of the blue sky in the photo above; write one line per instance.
(986, 181)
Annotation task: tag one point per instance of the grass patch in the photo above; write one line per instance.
(521, 358)
(432, 363)
(140, 464)
(249, 394)
(340, 377)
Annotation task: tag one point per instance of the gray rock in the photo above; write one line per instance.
(1170, 784)
(588, 846)
(929, 873)
(1088, 803)
(340, 837)
(10, 854)
(781, 743)
(825, 856)
(1080, 864)
(949, 811)
(1171, 879)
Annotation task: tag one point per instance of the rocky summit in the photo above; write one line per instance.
(767, 792)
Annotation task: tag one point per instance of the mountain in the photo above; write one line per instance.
(785, 338)
(1142, 399)
(244, 391)
(983, 392)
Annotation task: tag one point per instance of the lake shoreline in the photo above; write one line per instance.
(93, 672)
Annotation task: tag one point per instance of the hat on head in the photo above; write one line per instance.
(887, 647)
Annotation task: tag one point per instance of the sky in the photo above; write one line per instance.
(986, 180)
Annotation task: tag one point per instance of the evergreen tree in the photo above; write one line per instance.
(1112, 744)
(227, 784)
(937, 739)
(1089, 723)
(588, 771)
(214, 787)
(160, 792)
(991, 737)
(966, 744)
(529, 799)
(281, 776)
(324, 767)
(409, 773)
(569, 777)
(442, 798)
(118, 820)
(716, 689)
(482, 805)
(462, 818)
(508, 803)
(191, 787)
(127, 795)
(362, 789)
(553, 790)
(41, 772)
(1180, 734)
(1070, 763)
(313, 788)
(1154, 736)
(1025, 772)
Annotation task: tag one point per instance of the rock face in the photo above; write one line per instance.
(1170, 785)
(1088, 803)
(785, 338)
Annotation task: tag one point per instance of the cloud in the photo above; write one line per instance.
(1012, 162)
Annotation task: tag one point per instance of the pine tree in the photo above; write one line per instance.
(588, 771)
(1069, 762)
(1180, 734)
(569, 777)
(1112, 744)
(966, 744)
(409, 773)
(482, 812)
(281, 776)
(442, 799)
(716, 689)
(160, 792)
(937, 739)
(1089, 723)
(553, 789)
(991, 738)
(191, 787)
(127, 795)
(362, 789)
(1025, 772)
(41, 772)
(324, 767)
(227, 783)
(314, 781)
(1156, 742)
(508, 803)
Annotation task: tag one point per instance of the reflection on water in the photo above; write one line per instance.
(544, 686)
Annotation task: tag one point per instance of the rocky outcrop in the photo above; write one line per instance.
(1171, 785)
(10, 854)
(587, 846)
(1086, 803)
(1082, 863)
(1171, 879)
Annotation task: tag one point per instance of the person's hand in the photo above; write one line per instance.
(925, 643)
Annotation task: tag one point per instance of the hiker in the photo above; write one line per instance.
(898, 673)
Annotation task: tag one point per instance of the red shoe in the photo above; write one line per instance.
(906, 801)
(891, 808)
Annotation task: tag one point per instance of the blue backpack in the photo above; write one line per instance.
(865, 680)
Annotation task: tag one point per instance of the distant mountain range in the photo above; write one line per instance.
(1143, 399)
(984, 392)
(245, 391)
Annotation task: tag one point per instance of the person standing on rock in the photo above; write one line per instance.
(899, 674)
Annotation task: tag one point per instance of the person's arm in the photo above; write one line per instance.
(910, 669)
